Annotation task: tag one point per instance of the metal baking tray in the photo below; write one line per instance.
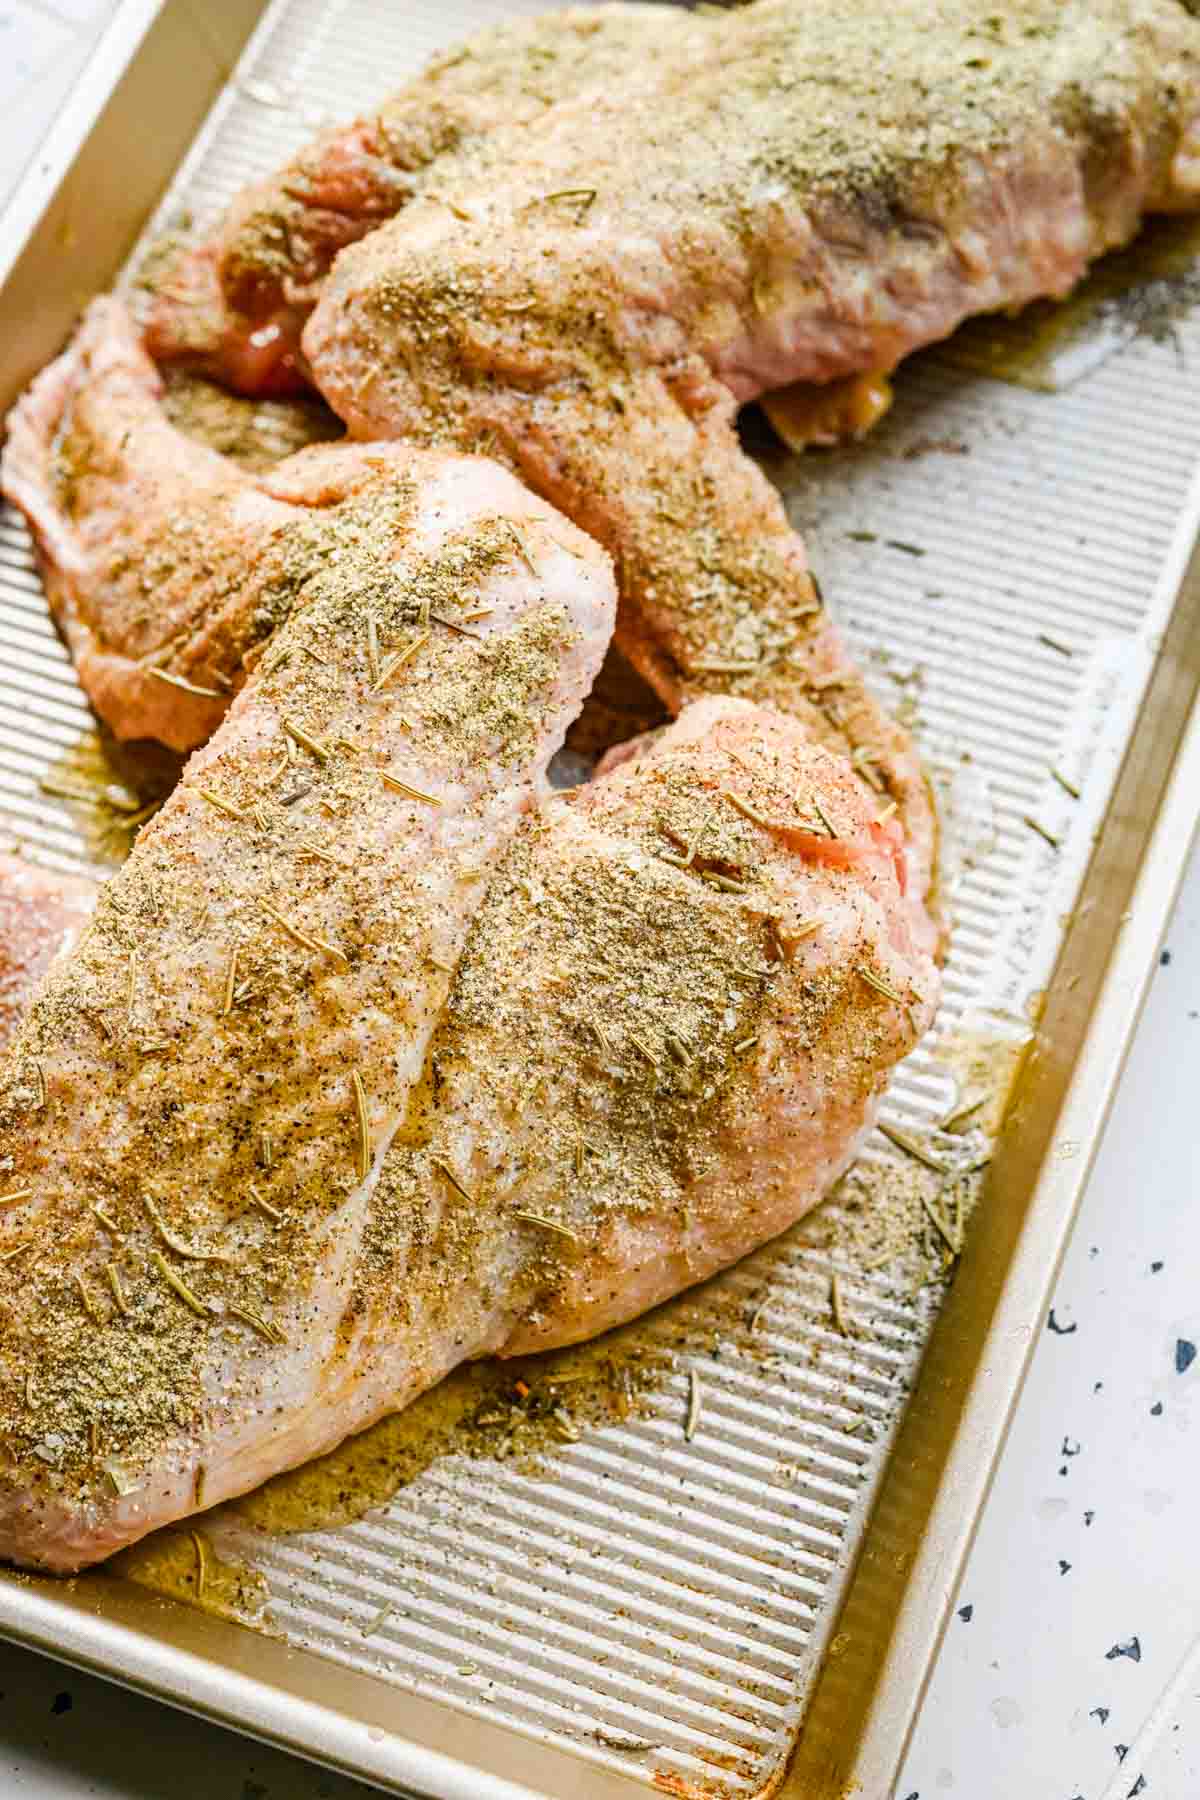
(753, 1610)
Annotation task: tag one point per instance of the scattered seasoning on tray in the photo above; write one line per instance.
(967, 1613)
(184, 1565)
(1052, 1324)
(1063, 1566)
(1156, 1410)
(837, 1306)
(1132, 1649)
(1101, 1713)
(1185, 1355)
(1043, 832)
(110, 790)
(620, 1740)
(695, 1401)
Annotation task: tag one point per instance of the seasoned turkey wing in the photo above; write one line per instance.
(671, 1027)
(234, 304)
(595, 296)
(164, 563)
(167, 565)
(668, 1030)
(194, 1112)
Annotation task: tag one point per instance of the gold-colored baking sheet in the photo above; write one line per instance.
(539, 1582)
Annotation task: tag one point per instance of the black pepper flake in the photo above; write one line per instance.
(1101, 1713)
(1122, 1751)
(1165, 959)
(1185, 1355)
(1052, 1324)
(1063, 1567)
(1156, 1410)
(1139, 1787)
(61, 1703)
(1133, 1650)
(965, 1613)
(1088, 1517)
(1070, 1449)
(1155, 1268)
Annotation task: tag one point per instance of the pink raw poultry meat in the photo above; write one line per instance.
(234, 304)
(41, 915)
(674, 1019)
(195, 1109)
(167, 565)
(594, 296)
(668, 1030)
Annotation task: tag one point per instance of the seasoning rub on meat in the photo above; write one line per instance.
(249, 1222)
(233, 304)
(594, 296)
(193, 1114)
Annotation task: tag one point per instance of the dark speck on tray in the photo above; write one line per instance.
(1063, 1566)
(1101, 1713)
(965, 1613)
(1132, 1649)
(1156, 1410)
(1122, 1751)
(1088, 1517)
(1155, 1267)
(1185, 1355)
(1052, 1324)
(1165, 959)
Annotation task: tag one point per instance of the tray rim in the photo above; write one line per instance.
(255, 1684)
(240, 1679)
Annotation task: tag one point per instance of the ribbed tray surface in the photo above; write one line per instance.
(654, 1601)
